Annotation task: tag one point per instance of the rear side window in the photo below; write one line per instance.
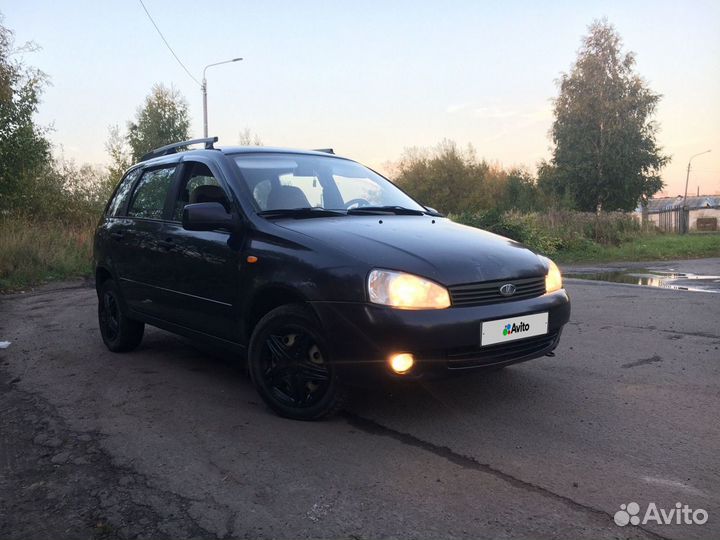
(148, 201)
(122, 193)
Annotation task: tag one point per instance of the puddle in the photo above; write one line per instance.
(652, 278)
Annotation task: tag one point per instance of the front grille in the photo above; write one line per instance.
(503, 352)
(488, 292)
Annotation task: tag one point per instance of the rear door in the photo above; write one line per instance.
(141, 249)
(111, 231)
(200, 269)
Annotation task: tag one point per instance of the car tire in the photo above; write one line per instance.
(289, 364)
(119, 332)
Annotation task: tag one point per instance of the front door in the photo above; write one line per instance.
(200, 269)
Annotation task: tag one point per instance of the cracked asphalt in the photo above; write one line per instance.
(171, 441)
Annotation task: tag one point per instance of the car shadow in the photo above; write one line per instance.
(517, 391)
(479, 392)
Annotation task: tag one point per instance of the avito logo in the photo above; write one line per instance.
(682, 514)
(512, 328)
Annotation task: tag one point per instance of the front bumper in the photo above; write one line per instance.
(362, 336)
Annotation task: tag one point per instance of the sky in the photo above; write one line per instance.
(370, 78)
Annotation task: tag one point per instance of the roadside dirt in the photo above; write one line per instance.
(58, 483)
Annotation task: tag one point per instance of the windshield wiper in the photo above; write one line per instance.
(300, 213)
(397, 210)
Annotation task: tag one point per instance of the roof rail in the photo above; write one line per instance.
(326, 150)
(172, 148)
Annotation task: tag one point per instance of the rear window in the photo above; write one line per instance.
(119, 201)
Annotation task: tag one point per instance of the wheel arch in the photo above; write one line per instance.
(265, 300)
(102, 274)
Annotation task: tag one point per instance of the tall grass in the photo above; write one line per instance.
(572, 236)
(33, 252)
(648, 247)
(557, 231)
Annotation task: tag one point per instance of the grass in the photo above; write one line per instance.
(646, 247)
(32, 253)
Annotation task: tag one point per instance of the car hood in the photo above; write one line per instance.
(436, 248)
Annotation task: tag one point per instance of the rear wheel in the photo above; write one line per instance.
(119, 333)
(290, 367)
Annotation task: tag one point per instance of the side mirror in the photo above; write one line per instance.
(207, 216)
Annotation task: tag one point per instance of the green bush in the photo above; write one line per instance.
(454, 180)
(607, 228)
(523, 228)
(556, 230)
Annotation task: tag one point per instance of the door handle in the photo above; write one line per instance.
(116, 235)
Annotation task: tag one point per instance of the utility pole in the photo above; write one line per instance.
(204, 92)
(686, 210)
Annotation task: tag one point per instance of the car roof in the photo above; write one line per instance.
(227, 150)
(234, 150)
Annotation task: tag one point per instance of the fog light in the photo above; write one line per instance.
(401, 363)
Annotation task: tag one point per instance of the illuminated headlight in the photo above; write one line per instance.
(406, 291)
(553, 278)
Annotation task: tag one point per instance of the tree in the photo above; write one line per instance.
(24, 148)
(606, 155)
(163, 119)
(552, 187)
(116, 147)
(521, 192)
(445, 177)
(455, 181)
(248, 138)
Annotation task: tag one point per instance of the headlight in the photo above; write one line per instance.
(553, 279)
(406, 291)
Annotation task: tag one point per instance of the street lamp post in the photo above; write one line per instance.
(204, 92)
(687, 180)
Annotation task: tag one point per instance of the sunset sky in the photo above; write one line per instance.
(370, 78)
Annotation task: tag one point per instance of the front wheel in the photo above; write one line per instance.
(290, 367)
(119, 333)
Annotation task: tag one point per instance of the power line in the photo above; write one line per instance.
(168, 45)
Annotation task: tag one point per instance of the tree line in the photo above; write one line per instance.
(605, 155)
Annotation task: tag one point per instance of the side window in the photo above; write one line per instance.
(122, 193)
(148, 199)
(200, 186)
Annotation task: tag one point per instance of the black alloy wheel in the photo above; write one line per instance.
(119, 333)
(289, 365)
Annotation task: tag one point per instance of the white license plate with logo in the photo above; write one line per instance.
(510, 329)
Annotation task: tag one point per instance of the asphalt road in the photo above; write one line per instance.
(172, 441)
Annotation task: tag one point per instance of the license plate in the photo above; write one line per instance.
(512, 328)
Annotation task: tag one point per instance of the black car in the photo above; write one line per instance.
(319, 271)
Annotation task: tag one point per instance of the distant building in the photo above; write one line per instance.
(705, 208)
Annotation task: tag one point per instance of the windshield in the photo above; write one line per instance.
(288, 182)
